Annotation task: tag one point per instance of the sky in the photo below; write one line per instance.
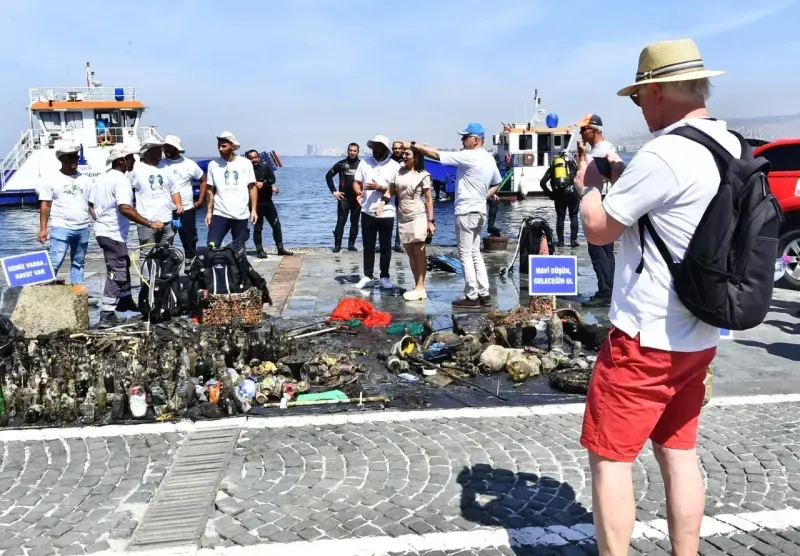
(283, 74)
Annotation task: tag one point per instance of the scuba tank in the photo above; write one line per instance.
(560, 179)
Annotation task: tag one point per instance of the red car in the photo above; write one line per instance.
(784, 181)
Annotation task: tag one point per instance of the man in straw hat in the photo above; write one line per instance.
(64, 202)
(112, 199)
(648, 379)
(156, 195)
(184, 171)
(232, 195)
(373, 178)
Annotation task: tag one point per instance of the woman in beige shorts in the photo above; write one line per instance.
(415, 216)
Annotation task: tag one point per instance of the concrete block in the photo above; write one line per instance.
(46, 309)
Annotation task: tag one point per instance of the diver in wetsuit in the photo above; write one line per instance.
(346, 198)
(561, 176)
(265, 208)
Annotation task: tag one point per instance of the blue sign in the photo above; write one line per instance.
(28, 269)
(725, 334)
(552, 275)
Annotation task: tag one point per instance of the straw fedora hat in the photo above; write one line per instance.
(664, 61)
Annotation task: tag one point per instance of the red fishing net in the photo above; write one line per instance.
(354, 308)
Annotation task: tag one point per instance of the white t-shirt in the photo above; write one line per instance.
(476, 172)
(672, 179)
(70, 199)
(111, 190)
(382, 173)
(184, 171)
(600, 150)
(154, 187)
(231, 182)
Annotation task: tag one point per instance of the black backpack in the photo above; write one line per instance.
(227, 270)
(726, 277)
(159, 301)
(533, 229)
(191, 294)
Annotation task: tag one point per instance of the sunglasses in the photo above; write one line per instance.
(635, 98)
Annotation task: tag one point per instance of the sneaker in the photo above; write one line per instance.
(485, 300)
(365, 282)
(352, 247)
(386, 284)
(261, 254)
(337, 248)
(467, 303)
(398, 248)
(595, 301)
(560, 243)
(415, 295)
(574, 244)
(109, 319)
(79, 289)
(284, 253)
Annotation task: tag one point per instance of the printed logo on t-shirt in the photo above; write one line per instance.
(73, 188)
(235, 177)
(157, 178)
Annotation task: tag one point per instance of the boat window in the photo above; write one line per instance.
(556, 141)
(128, 118)
(109, 126)
(783, 158)
(51, 120)
(73, 120)
(543, 148)
(525, 142)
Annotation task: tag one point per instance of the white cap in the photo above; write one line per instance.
(230, 137)
(175, 141)
(67, 148)
(119, 151)
(382, 139)
(150, 143)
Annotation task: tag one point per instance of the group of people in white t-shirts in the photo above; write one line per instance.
(379, 177)
(161, 182)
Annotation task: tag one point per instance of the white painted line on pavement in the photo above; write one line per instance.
(476, 539)
(388, 416)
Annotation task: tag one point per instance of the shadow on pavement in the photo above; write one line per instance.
(778, 349)
(518, 501)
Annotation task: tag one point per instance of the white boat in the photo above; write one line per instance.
(525, 150)
(93, 116)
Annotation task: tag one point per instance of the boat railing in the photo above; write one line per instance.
(16, 157)
(77, 94)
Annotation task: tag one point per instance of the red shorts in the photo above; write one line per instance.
(638, 393)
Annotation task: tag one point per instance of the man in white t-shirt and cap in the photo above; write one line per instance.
(477, 179)
(64, 201)
(185, 170)
(157, 195)
(112, 199)
(648, 380)
(373, 179)
(232, 194)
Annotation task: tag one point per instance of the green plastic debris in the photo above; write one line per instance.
(352, 323)
(323, 396)
(414, 328)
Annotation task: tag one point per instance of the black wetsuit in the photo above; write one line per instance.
(348, 205)
(265, 208)
(566, 200)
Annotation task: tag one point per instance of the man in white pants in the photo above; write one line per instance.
(477, 178)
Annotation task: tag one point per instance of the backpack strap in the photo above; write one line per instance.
(645, 223)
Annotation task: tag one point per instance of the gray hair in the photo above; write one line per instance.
(697, 90)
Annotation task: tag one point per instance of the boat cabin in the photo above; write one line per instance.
(526, 151)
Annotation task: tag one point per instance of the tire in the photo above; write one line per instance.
(789, 244)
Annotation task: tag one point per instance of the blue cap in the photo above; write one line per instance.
(473, 129)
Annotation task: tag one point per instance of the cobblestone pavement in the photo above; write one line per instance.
(420, 477)
(417, 477)
(77, 495)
